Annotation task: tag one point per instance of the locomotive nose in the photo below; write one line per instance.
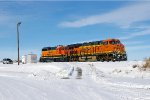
(121, 45)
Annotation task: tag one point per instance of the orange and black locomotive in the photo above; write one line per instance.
(104, 50)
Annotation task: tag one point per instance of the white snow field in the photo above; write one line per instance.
(57, 81)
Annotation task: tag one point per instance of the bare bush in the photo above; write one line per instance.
(144, 67)
(134, 66)
(147, 63)
(140, 68)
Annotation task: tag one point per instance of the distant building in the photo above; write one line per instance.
(30, 58)
(24, 59)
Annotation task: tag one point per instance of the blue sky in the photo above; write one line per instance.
(50, 23)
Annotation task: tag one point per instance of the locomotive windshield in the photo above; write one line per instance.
(114, 42)
(118, 42)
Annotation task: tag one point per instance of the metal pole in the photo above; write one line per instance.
(18, 24)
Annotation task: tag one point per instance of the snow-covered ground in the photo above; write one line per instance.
(57, 81)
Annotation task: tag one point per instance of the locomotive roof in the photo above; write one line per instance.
(91, 43)
(74, 45)
(45, 47)
(49, 48)
(82, 44)
(110, 39)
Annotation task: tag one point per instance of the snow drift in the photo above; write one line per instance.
(57, 81)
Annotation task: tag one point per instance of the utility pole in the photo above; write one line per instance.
(18, 24)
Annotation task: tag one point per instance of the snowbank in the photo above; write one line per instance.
(57, 81)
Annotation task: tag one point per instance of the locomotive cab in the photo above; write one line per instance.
(45, 51)
(118, 49)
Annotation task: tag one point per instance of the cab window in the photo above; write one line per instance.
(117, 42)
(44, 49)
(112, 42)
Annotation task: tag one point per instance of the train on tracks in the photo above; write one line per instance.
(103, 50)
